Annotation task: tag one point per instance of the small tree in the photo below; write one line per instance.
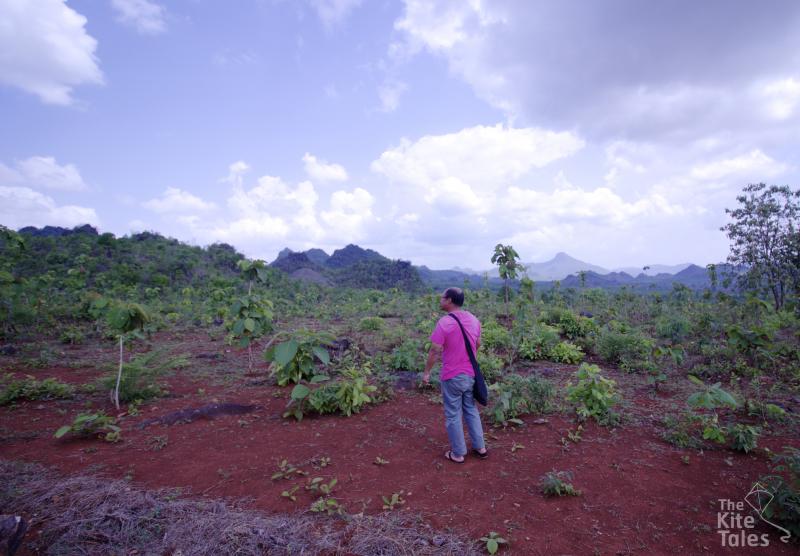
(125, 318)
(764, 239)
(251, 315)
(505, 257)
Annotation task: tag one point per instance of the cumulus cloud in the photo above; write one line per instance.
(322, 171)
(43, 172)
(349, 214)
(389, 93)
(175, 200)
(753, 165)
(143, 15)
(22, 206)
(483, 157)
(45, 49)
(333, 12)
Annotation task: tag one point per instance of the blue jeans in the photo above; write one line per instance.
(457, 397)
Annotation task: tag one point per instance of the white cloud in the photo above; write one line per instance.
(174, 200)
(782, 97)
(334, 12)
(45, 49)
(485, 158)
(389, 93)
(322, 171)
(349, 214)
(754, 165)
(43, 172)
(143, 15)
(22, 206)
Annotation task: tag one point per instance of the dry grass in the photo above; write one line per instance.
(89, 515)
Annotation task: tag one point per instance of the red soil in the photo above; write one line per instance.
(638, 495)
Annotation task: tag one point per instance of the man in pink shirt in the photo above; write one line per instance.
(457, 375)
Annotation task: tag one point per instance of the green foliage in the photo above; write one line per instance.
(126, 317)
(407, 356)
(491, 364)
(515, 396)
(565, 352)
(370, 324)
(29, 388)
(91, 424)
(744, 438)
(294, 359)
(539, 342)
(784, 484)
(140, 375)
(347, 394)
(494, 335)
(250, 318)
(570, 324)
(673, 327)
(710, 396)
(493, 541)
(624, 346)
(594, 394)
(556, 483)
(394, 500)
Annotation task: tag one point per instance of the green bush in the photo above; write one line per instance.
(556, 483)
(675, 328)
(491, 365)
(407, 356)
(626, 347)
(784, 484)
(90, 424)
(539, 342)
(368, 324)
(294, 359)
(31, 389)
(570, 324)
(744, 438)
(494, 335)
(594, 394)
(140, 376)
(565, 352)
(347, 394)
(515, 395)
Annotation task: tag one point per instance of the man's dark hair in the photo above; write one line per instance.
(456, 295)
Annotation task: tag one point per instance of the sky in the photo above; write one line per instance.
(616, 131)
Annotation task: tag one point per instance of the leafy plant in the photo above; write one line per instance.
(347, 394)
(139, 379)
(744, 438)
(784, 484)
(594, 394)
(290, 493)
(31, 389)
(125, 318)
(287, 470)
(565, 352)
(493, 541)
(89, 424)
(370, 324)
(380, 461)
(392, 501)
(406, 356)
(539, 342)
(493, 335)
(516, 395)
(330, 506)
(621, 345)
(293, 360)
(318, 485)
(556, 483)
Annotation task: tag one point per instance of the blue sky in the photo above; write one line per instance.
(616, 131)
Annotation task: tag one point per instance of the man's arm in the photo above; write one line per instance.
(433, 356)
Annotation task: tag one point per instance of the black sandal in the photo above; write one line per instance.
(449, 455)
(482, 455)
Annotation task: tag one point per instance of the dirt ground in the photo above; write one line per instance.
(639, 495)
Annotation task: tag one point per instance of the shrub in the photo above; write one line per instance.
(370, 324)
(294, 359)
(565, 352)
(31, 389)
(89, 424)
(744, 438)
(625, 347)
(594, 394)
(784, 485)
(140, 376)
(347, 394)
(555, 483)
(491, 364)
(539, 342)
(407, 356)
(516, 395)
(571, 325)
(493, 335)
(675, 328)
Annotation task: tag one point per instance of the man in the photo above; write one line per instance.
(457, 375)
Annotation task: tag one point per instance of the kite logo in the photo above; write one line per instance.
(735, 524)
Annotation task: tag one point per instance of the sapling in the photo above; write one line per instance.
(125, 318)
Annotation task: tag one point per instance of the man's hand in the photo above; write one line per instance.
(433, 356)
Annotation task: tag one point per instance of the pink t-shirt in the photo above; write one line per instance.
(447, 334)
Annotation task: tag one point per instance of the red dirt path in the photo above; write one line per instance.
(638, 496)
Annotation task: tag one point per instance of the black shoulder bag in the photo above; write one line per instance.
(479, 390)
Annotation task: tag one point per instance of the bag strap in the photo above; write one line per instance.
(466, 342)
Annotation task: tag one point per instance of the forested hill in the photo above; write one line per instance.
(100, 261)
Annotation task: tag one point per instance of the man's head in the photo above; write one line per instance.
(452, 299)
